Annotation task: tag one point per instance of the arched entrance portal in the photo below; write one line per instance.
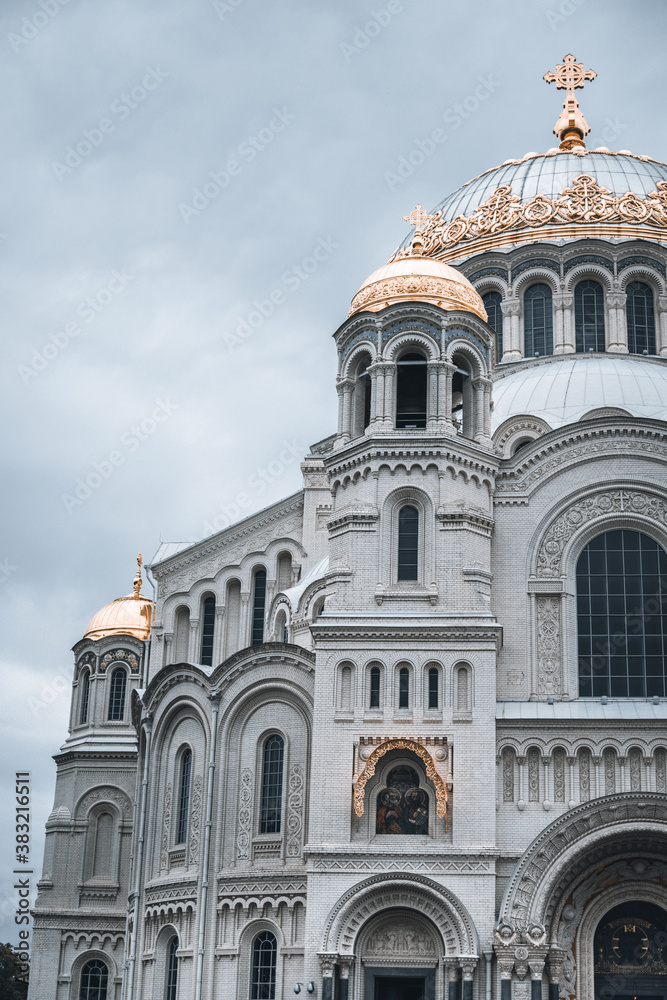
(399, 954)
(630, 952)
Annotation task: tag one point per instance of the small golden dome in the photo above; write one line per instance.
(131, 615)
(417, 279)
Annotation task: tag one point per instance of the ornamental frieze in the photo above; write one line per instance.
(586, 202)
(120, 654)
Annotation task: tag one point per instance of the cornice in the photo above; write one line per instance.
(228, 537)
(367, 450)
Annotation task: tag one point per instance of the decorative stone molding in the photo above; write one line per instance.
(443, 292)
(361, 865)
(103, 793)
(585, 209)
(294, 822)
(120, 654)
(413, 746)
(245, 816)
(195, 821)
(604, 503)
(549, 658)
(166, 825)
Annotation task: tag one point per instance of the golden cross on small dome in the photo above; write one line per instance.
(571, 126)
(417, 218)
(137, 579)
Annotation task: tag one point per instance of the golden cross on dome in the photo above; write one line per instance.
(569, 75)
(417, 218)
(571, 126)
(137, 579)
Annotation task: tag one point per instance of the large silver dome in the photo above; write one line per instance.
(564, 388)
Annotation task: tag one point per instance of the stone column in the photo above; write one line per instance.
(389, 401)
(168, 640)
(649, 781)
(468, 970)
(661, 331)
(521, 801)
(482, 404)
(327, 962)
(556, 958)
(488, 957)
(563, 342)
(622, 761)
(452, 977)
(445, 396)
(597, 761)
(506, 967)
(546, 801)
(344, 984)
(617, 337)
(376, 372)
(341, 439)
(219, 635)
(512, 346)
(571, 761)
(346, 427)
(432, 370)
(244, 620)
(193, 643)
(536, 964)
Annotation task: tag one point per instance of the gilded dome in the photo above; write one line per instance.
(417, 279)
(561, 194)
(131, 615)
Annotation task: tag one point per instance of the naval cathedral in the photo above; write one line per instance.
(401, 736)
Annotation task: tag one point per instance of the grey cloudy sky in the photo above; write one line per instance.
(128, 297)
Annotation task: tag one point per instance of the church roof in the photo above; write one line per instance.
(565, 388)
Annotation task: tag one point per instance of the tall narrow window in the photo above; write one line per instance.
(184, 797)
(404, 688)
(433, 688)
(346, 688)
(172, 970)
(408, 543)
(361, 398)
(492, 302)
(117, 695)
(258, 604)
(462, 690)
(85, 696)
(272, 785)
(411, 391)
(94, 979)
(640, 318)
(263, 978)
(538, 326)
(207, 631)
(589, 317)
(104, 836)
(622, 616)
(374, 699)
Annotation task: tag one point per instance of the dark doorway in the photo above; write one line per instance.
(389, 988)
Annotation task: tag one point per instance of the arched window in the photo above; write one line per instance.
(117, 695)
(182, 635)
(233, 618)
(282, 631)
(272, 785)
(408, 543)
(411, 391)
(402, 807)
(589, 317)
(85, 697)
(346, 688)
(172, 970)
(184, 797)
(433, 685)
(207, 631)
(103, 847)
(463, 411)
(622, 616)
(258, 605)
(640, 318)
(361, 399)
(374, 697)
(404, 688)
(263, 977)
(94, 979)
(284, 574)
(462, 690)
(538, 325)
(492, 302)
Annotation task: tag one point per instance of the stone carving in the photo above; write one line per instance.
(548, 645)
(294, 811)
(585, 203)
(400, 940)
(245, 815)
(401, 744)
(508, 775)
(609, 761)
(550, 554)
(521, 991)
(585, 775)
(195, 821)
(86, 659)
(559, 774)
(358, 864)
(454, 293)
(120, 654)
(166, 824)
(104, 793)
(635, 770)
(533, 775)
(660, 770)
